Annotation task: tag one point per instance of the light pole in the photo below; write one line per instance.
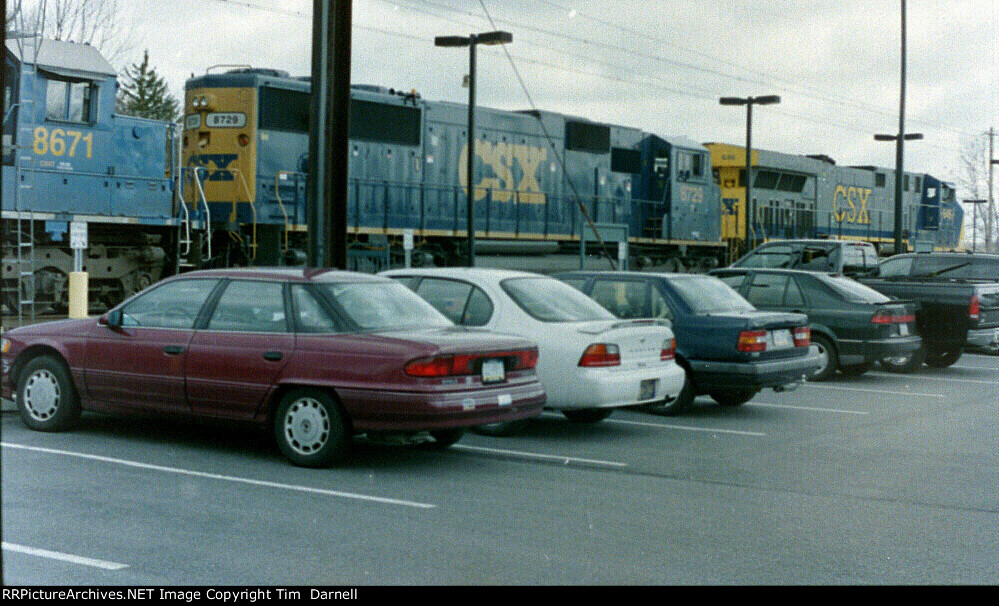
(489, 38)
(749, 102)
(899, 140)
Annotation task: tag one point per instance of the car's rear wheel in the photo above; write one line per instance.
(734, 397)
(942, 358)
(587, 415)
(46, 397)
(828, 359)
(683, 401)
(506, 428)
(310, 429)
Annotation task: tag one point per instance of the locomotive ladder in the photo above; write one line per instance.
(24, 257)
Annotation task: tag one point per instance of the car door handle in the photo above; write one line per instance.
(273, 356)
(173, 350)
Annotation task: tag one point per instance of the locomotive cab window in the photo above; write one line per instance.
(69, 100)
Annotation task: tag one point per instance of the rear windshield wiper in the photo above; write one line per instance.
(944, 270)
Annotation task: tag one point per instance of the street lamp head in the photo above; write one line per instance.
(766, 100)
(885, 137)
(452, 41)
(492, 38)
(733, 101)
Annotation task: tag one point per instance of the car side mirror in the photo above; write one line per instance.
(112, 319)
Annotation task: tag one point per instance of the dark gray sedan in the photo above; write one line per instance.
(852, 325)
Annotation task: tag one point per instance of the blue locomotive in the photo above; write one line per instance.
(68, 158)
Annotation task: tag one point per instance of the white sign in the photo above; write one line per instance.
(407, 239)
(225, 120)
(78, 235)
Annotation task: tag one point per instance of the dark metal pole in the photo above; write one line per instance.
(329, 131)
(899, 145)
(471, 151)
(749, 158)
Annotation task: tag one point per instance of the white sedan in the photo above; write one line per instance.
(590, 362)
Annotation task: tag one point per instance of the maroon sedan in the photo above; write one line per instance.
(318, 355)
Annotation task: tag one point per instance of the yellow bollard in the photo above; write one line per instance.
(78, 294)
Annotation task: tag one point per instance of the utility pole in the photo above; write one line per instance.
(990, 238)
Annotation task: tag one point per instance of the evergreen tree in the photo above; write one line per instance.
(145, 94)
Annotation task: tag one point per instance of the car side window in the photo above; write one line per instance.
(623, 298)
(778, 255)
(659, 306)
(767, 290)
(448, 296)
(250, 306)
(310, 315)
(819, 258)
(794, 297)
(733, 280)
(172, 305)
(478, 310)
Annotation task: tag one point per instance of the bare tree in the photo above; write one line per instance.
(973, 180)
(102, 24)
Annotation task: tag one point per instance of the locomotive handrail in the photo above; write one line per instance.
(208, 212)
(284, 211)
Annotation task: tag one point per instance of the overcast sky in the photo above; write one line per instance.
(658, 65)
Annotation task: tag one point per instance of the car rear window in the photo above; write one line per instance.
(551, 300)
(957, 268)
(707, 294)
(853, 291)
(383, 306)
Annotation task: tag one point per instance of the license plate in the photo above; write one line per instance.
(903, 329)
(782, 339)
(493, 371)
(647, 389)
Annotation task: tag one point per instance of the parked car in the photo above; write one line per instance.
(957, 304)
(589, 361)
(847, 257)
(317, 356)
(852, 325)
(728, 349)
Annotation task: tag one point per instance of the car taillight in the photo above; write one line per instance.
(668, 351)
(753, 340)
(802, 336)
(601, 354)
(438, 366)
(889, 319)
(975, 309)
(465, 364)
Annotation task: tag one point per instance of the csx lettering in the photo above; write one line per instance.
(61, 142)
(855, 208)
(503, 158)
(216, 164)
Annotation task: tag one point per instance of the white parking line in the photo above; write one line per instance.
(214, 476)
(686, 427)
(880, 391)
(809, 408)
(534, 455)
(64, 557)
(943, 378)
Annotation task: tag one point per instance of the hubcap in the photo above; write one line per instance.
(307, 426)
(41, 395)
(823, 359)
